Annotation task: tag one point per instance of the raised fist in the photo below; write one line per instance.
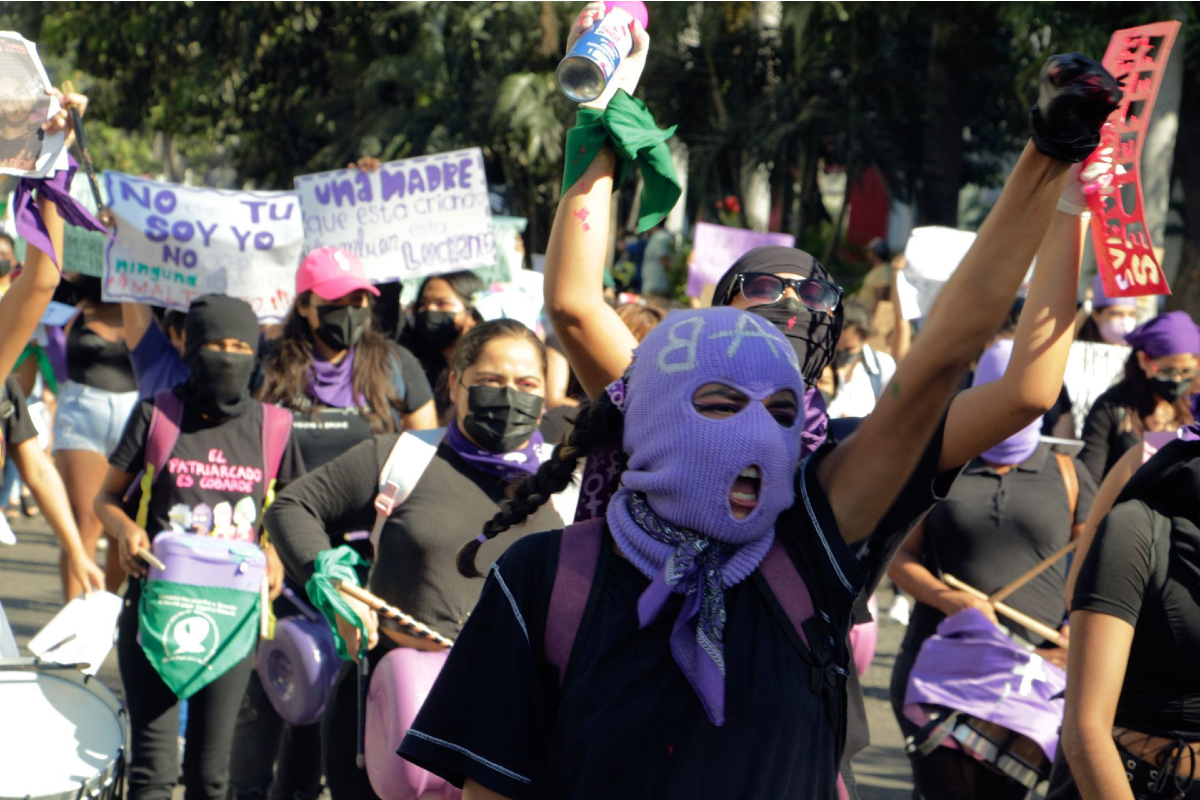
(1075, 97)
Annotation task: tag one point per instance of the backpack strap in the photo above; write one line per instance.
(874, 371)
(163, 433)
(404, 467)
(788, 587)
(1066, 465)
(578, 556)
(276, 433)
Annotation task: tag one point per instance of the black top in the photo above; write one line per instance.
(992, 528)
(324, 433)
(1107, 434)
(1143, 567)
(627, 723)
(94, 361)
(16, 426)
(214, 481)
(415, 561)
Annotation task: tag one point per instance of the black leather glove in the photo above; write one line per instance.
(1075, 97)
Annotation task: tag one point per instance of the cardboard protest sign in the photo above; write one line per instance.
(1137, 58)
(25, 151)
(409, 219)
(716, 247)
(933, 253)
(173, 243)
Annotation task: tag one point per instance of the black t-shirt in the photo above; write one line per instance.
(627, 723)
(16, 426)
(992, 528)
(324, 433)
(214, 480)
(1143, 567)
(1107, 434)
(415, 566)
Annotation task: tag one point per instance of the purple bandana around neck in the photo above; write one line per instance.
(332, 383)
(513, 464)
(1022, 444)
(56, 189)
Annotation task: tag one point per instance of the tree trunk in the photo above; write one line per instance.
(1186, 289)
(941, 174)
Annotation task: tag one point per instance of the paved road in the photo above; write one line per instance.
(31, 595)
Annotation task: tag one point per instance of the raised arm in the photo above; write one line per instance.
(597, 343)
(986, 415)
(136, 319)
(900, 339)
(22, 306)
(863, 476)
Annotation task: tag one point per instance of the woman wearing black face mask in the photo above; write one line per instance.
(214, 481)
(442, 314)
(497, 384)
(344, 383)
(1154, 395)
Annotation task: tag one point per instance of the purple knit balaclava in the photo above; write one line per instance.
(1021, 445)
(672, 517)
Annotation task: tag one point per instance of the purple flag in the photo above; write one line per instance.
(971, 666)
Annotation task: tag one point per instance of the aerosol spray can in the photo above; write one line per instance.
(591, 63)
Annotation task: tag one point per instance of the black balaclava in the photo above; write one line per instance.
(219, 386)
(812, 334)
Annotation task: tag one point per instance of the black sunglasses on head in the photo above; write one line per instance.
(763, 288)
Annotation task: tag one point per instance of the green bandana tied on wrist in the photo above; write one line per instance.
(333, 567)
(627, 125)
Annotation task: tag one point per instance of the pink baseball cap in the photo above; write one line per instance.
(332, 272)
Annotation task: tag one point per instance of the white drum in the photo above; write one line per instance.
(62, 735)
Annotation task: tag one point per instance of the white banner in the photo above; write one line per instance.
(411, 218)
(174, 243)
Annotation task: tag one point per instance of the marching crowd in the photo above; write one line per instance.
(634, 553)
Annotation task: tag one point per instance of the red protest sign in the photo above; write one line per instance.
(1137, 58)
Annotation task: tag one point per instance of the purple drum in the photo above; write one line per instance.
(205, 561)
(298, 668)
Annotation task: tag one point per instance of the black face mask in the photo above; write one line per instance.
(6, 266)
(220, 383)
(500, 419)
(437, 329)
(1169, 390)
(845, 358)
(813, 335)
(341, 327)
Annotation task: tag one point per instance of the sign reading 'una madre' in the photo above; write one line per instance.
(411, 218)
(174, 243)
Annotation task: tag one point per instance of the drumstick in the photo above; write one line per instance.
(1045, 631)
(379, 605)
(145, 555)
(1033, 572)
(363, 677)
(264, 616)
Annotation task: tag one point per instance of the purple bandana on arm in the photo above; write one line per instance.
(331, 383)
(56, 189)
(514, 464)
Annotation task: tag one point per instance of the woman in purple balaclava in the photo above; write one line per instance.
(1010, 509)
(1154, 395)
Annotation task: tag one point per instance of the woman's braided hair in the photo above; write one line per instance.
(598, 424)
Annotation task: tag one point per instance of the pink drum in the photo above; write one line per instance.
(399, 685)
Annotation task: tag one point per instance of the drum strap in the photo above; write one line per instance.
(931, 735)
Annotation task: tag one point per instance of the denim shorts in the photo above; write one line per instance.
(91, 419)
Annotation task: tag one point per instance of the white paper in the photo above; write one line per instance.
(907, 296)
(174, 243)
(408, 219)
(24, 105)
(91, 621)
(933, 254)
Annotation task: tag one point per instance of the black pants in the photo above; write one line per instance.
(944, 774)
(154, 722)
(339, 736)
(272, 758)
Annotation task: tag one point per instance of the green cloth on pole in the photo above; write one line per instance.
(627, 125)
(333, 567)
(193, 635)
